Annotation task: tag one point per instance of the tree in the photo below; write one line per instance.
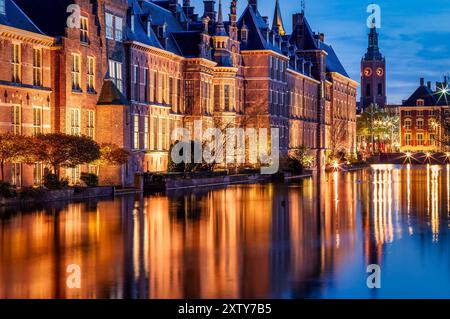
(302, 155)
(111, 154)
(375, 121)
(12, 148)
(338, 134)
(61, 150)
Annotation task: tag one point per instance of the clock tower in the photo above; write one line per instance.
(373, 73)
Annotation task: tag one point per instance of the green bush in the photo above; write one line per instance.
(52, 182)
(7, 191)
(91, 180)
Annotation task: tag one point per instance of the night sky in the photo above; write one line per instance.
(414, 36)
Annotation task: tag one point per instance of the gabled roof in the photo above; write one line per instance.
(255, 24)
(16, 18)
(139, 34)
(110, 94)
(160, 15)
(332, 61)
(423, 92)
(39, 12)
(188, 43)
(309, 41)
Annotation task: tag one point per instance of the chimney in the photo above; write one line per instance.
(2, 7)
(254, 4)
(322, 37)
(429, 84)
(422, 81)
(210, 9)
(173, 5)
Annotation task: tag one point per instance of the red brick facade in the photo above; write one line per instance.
(164, 86)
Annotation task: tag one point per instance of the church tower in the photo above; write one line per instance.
(373, 73)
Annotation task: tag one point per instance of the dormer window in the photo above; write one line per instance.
(2, 7)
(420, 102)
(244, 35)
(161, 31)
(132, 22)
(149, 28)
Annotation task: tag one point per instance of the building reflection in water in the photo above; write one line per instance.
(251, 241)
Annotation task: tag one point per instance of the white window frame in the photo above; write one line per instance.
(75, 117)
(91, 74)
(118, 28)
(109, 26)
(37, 120)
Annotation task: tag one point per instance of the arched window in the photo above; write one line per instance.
(368, 90)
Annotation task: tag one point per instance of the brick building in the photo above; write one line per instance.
(135, 70)
(26, 84)
(421, 116)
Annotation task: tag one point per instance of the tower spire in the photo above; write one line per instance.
(277, 25)
(303, 6)
(220, 27)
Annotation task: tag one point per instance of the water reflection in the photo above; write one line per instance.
(311, 239)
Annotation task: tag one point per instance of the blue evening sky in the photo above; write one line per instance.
(414, 36)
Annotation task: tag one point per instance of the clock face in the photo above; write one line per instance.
(380, 72)
(367, 72)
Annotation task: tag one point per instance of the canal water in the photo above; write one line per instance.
(310, 239)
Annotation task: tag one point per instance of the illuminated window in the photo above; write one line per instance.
(189, 92)
(164, 135)
(16, 61)
(146, 133)
(37, 120)
(136, 131)
(420, 139)
(76, 72)
(74, 175)
(109, 26)
(37, 67)
(75, 122)
(154, 134)
(38, 174)
(84, 30)
(16, 174)
(217, 97)
(145, 84)
(171, 94)
(16, 119)
(432, 139)
(407, 124)
(115, 73)
(419, 113)
(91, 74)
(91, 124)
(226, 96)
(155, 87)
(419, 124)
(180, 98)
